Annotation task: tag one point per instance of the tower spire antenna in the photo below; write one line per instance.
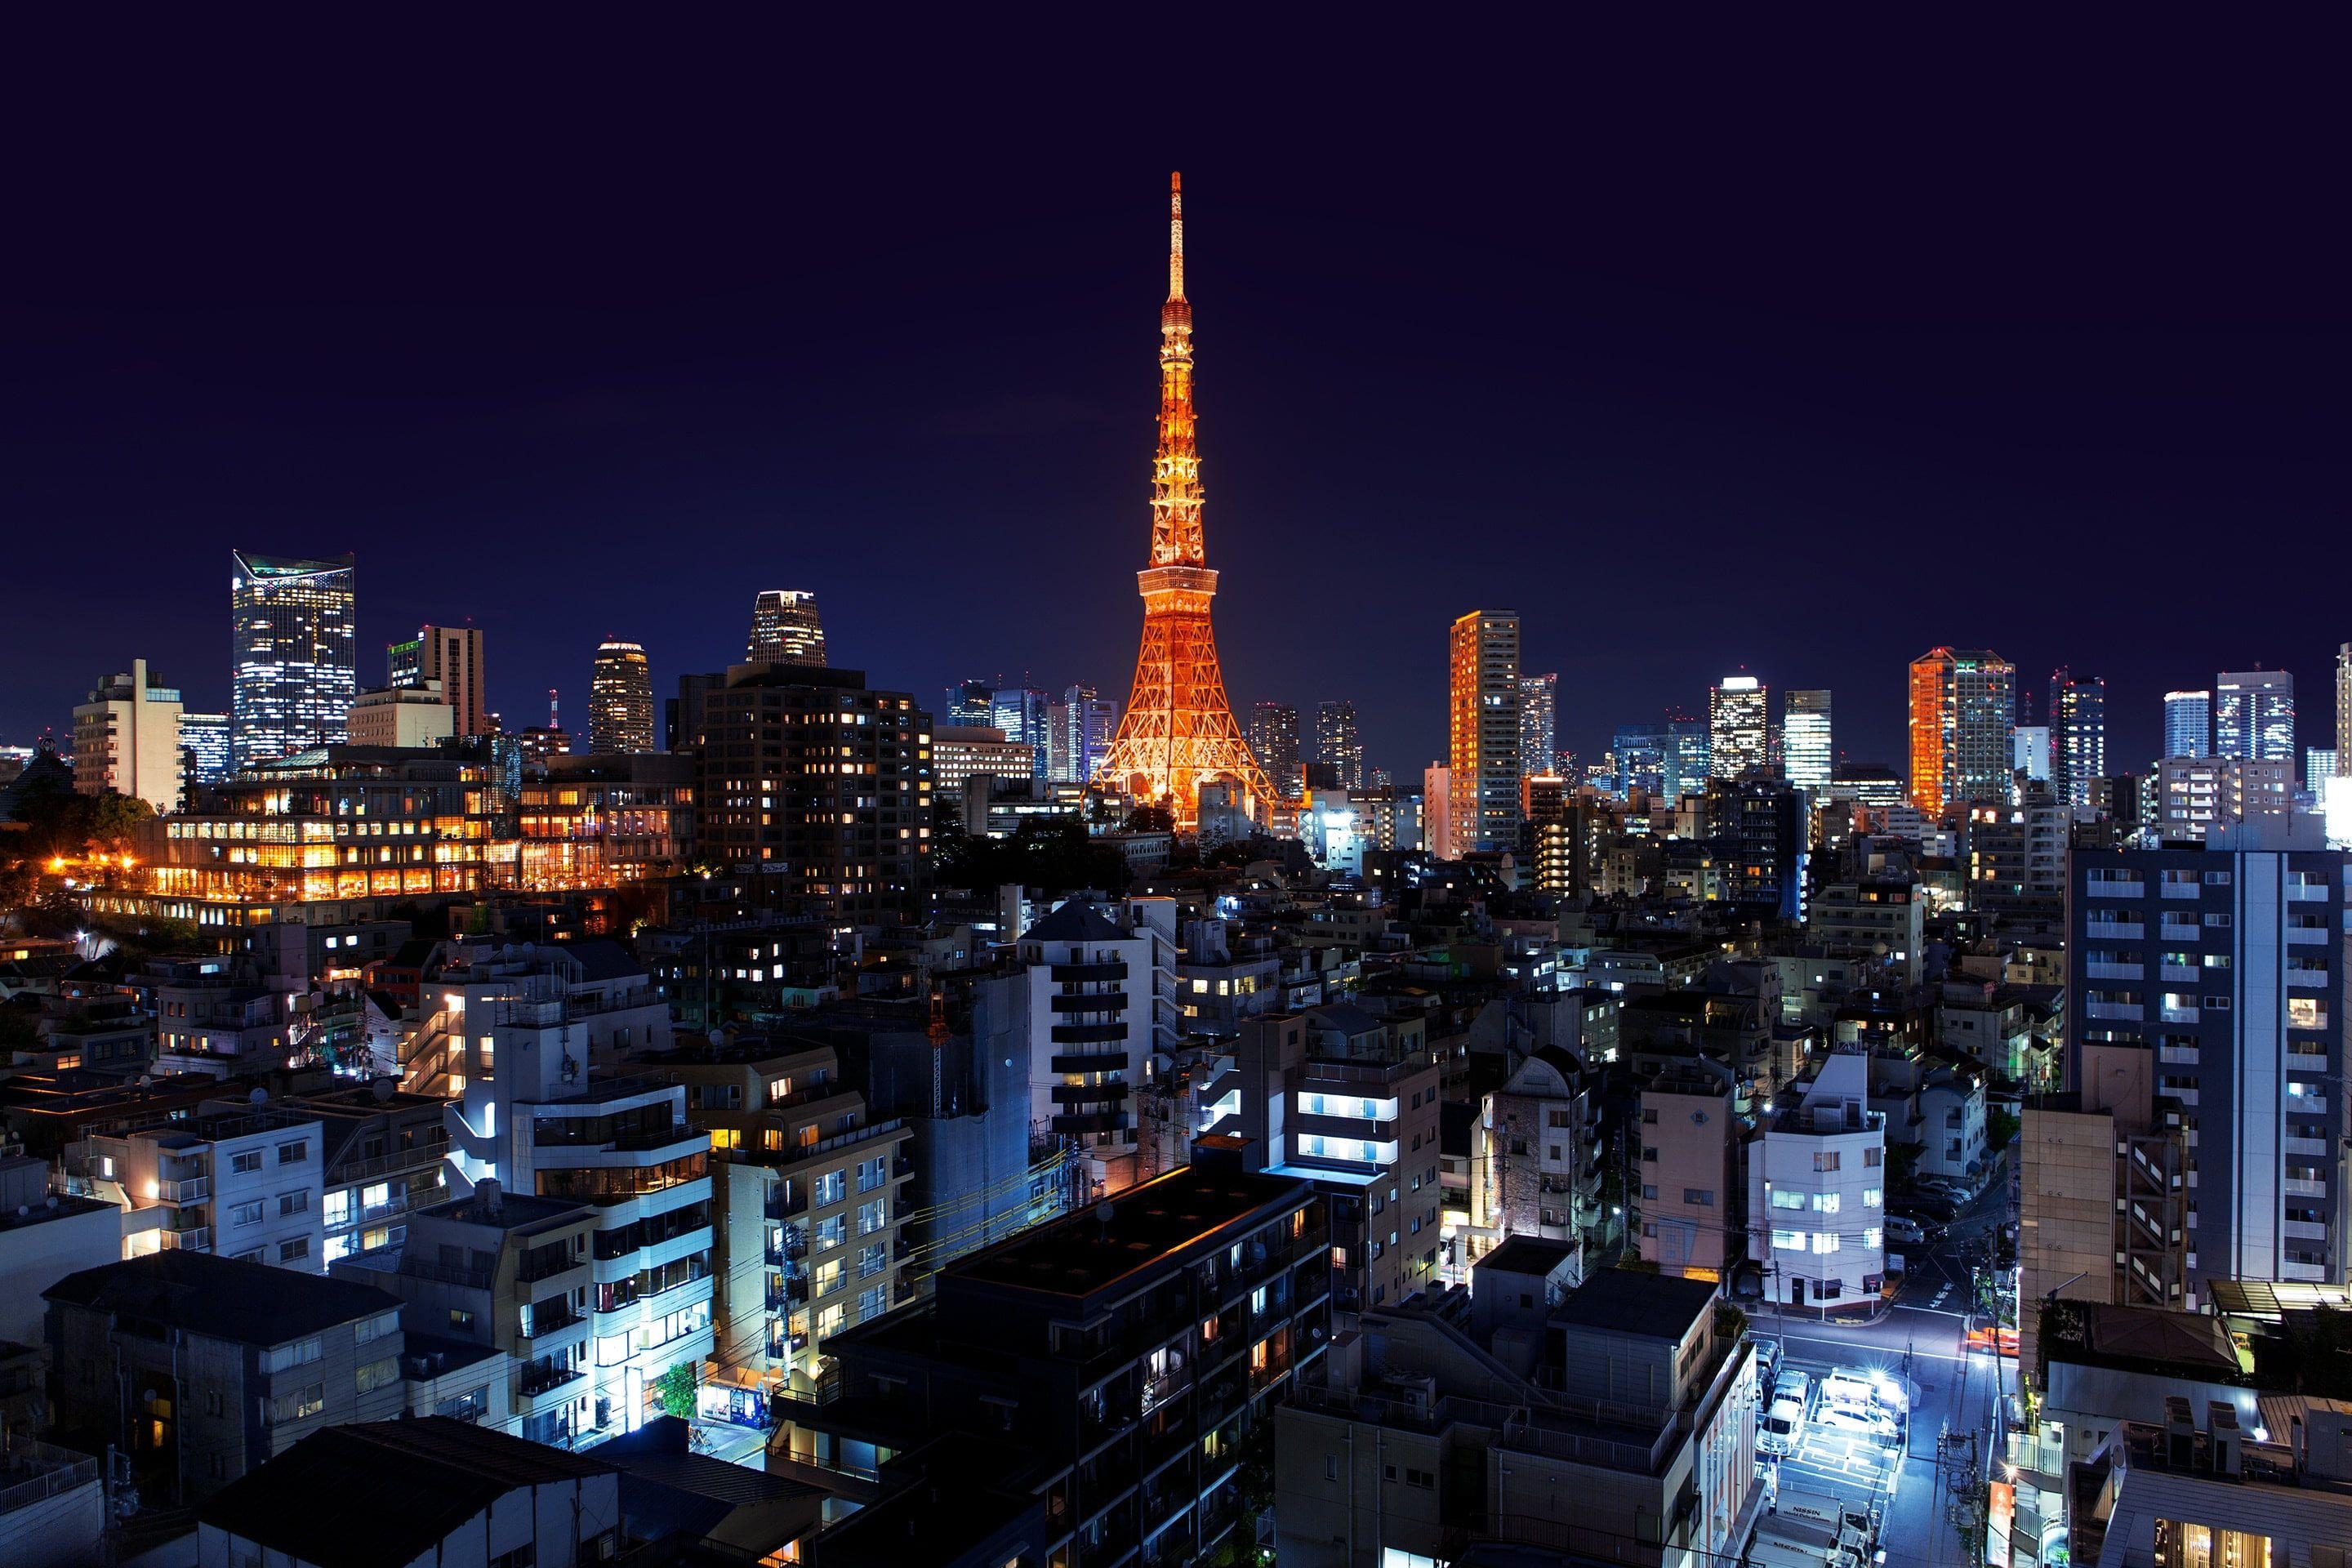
(1176, 235)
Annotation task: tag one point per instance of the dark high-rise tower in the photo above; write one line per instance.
(1273, 738)
(294, 659)
(785, 629)
(620, 699)
(1338, 747)
(2078, 737)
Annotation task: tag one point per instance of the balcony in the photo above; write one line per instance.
(2115, 930)
(2116, 890)
(2179, 1056)
(1088, 973)
(783, 1203)
(193, 1190)
(1089, 1093)
(1101, 1061)
(1087, 1034)
(1092, 1121)
(2169, 1012)
(194, 1239)
(536, 1379)
(2123, 1011)
(2095, 969)
(552, 1318)
(2306, 892)
(1093, 1002)
(2305, 1145)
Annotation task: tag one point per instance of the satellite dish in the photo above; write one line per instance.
(382, 1088)
(259, 1097)
(146, 1080)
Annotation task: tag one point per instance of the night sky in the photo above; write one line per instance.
(1698, 360)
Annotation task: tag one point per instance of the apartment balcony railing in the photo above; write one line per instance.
(538, 1380)
(783, 1203)
(194, 1239)
(192, 1190)
(360, 1170)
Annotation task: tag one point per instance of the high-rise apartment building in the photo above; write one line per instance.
(2078, 737)
(452, 656)
(2226, 963)
(1437, 811)
(1484, 732)
(2318, 766)
(2253, 715)
(204, 750)
(853, 827)
(2188, 723)
(1806, 751)
(1963, 702)
(785, 629)
(620, 699)
(127, 739)
(294, 655)
(1739, 720)
(1080, 727)
(1274, 737)
(1338, 745)
(1024, 714)
(2344, 709)
(1539, 724)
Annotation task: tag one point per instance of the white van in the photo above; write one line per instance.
(1843, 1387)
(1868, 1425)
(1781, 1432)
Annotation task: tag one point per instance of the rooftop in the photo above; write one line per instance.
(1527, 1255)
(1630, 1301)
(221, 1298)
(1075, 921)
(1142, 1227)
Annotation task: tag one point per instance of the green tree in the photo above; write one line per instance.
(114, 822)
(674, 1389)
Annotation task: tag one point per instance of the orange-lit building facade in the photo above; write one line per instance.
(1963, 706)
(339, 823)
(1178, 731)
(598, 821)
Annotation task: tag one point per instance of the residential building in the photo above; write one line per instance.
(1339, 744)
(2188, 723)
(407, 716)
(1347, 1101)
(1807, 752)
(1689, 1203)
(2017, 854)
(620, 699)
(1763, 832)
(1437, 811)
(2176, 1492)
(214, 1015)
(1274, 740)
(2078, 737)
(385, 1153)
(1617, 1424)
(2319, 767)
(1539, 724)
(961, 752)
(1739, 719)
(43, 1239)
(809, 1205)
(515, 1279)
(1963, 701)
(1131, 1347)
(296, 626)
(1225, 975)
(197, 1368)
(445, 1491)
(1079, 734)
(54, 1512)
(1483, 809)
(785, 629)
(2227, 962)
(1879, 917)
(451, 655)
(126, 739)
(1817, 1191)
(809, 776)
(238, 1180)
(1096, 1013)
(1535, 1156)
(2196, 795)
(2253, 715)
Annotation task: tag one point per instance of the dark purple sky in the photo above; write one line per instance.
(1764, 355)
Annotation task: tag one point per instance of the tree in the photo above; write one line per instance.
(674, 1389)
(114, 822)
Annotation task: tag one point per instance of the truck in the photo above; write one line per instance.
(1807, 1530)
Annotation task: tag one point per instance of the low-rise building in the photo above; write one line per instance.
(411, 717)
(1817, 1191)
(242, 1181)
(43, 1239)
(1691, 1134)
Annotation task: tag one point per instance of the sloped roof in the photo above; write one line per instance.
(1075, 921)
(221, 1298)
(600, 958)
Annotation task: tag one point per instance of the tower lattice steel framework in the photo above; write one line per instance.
(1178, 732)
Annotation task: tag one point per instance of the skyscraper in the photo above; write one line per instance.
(1686, 764)
(1273, 736)
(969, 704)
(1483, 771)
(2253, 715)
(204, 747)
(1437, 811)
(1079, 730)
(1539, 724)
(1963, 702)
(1024, 714)
(1178, 732)
(620, 699)
(2344, 709)
(2188, 723)
(1739, 717)
(785, 629)
(294, 653)
(1640, 753)
(1337, 745)
(1807, 753)
(2078, 737)
(452, 656)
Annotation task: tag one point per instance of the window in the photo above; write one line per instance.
(1874, 1238)
(830, 1188)
(831, 1232)
(297, 1352)
(376, 1375)
(1826, 1202)
(1788, 1240)
(293, 1153)
(872, 1174)
(1825, 1159)
(1872, 1198)
(523, 1556)
(300, 1403)
(375, 1328)
(2218, 922)
(294, 1251)
(245, 1214)
(1825, 1241)
(1701, 1197)
(246, 1163)
(292, 1203)
(873, 1216)
(1784, 1199)
(335, 1208)
(873, 1259)
(1872, 1158)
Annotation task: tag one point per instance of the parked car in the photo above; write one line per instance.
(1783, 1429)
(1791, 1384)
(1901, 1229)
(1768, 1357)
(1938, 1206)
(1959, 1192)
(1867, 1425)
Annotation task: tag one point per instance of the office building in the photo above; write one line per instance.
(2078, 737)
(452, 656)
(1874, 784)
(971, 704)
(1639, 751)
(620, 701)
(2318, 766)
(296, 653)
(2226, 962)
(1739, 720)
(598, 820)
(126, 739)
(203, 749)
(1762, 834)
(2344, 709)
(2188, 723)
(1688, 760)
(810, 775)
(243, 1363)
(2029, 753)
(1274, 737)
(2253, 715)
(410, 716)
(785, 629)
(1338, 745)
(2195, 795)
(1484, 732)
(1539, 724)
(1024, 714)
(1963, 702)
(960, 754)
(1817, 1191)
(1807, 753)
(1131, 1348)
(1078, 733)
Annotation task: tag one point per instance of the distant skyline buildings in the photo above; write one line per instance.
(2077, 718)
(1483, 762)
(1338, 745)
(1274, 737)
(1023, 712)
(294, 663)
(785, 629)
(1539, 724)
(620, 699)
(1739, 725)
(2188, 723)
(1963, 706)
(453, 656)
(2253, 715)
(1807, 750)
(1078, 732)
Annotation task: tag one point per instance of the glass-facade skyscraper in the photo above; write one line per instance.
(1738, 715)
(620, 701)
(2253, 715)
(1273, 739)
(294, 653)
(1021, 713)
(1539, 725)
(1806, 754)
(2078, 737)
(2188, 723)
(1483, 732)
(1963, 704)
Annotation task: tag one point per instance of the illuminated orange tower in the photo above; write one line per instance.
(1178, 732)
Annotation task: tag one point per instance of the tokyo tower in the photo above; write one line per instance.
(1178, 732)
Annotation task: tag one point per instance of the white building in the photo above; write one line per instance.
(409, 716)
(43, 1239)
(1101, 980)
(1817, 1191)
(127, 739)
(1807, 752)
(236, 1179)
(1739, 713)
